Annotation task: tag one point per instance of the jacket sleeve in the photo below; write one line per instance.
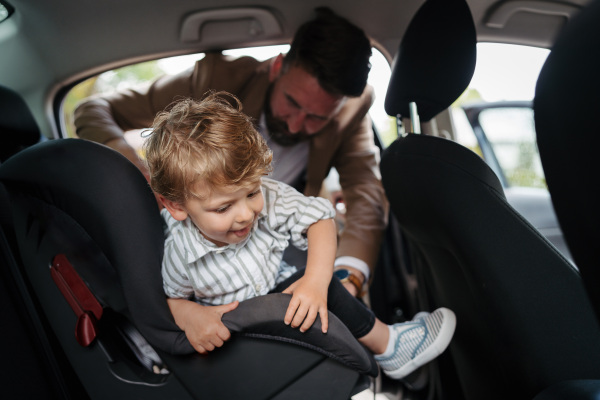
(357, 162)
(101, 119)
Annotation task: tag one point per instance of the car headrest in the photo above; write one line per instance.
(435, 61)
(18, 128)
(566, 106)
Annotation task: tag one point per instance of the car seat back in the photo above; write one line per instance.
(523, 318)
(24, 344)
(91, 241)
(565, 110)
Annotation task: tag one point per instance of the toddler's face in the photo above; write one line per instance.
(226, 215)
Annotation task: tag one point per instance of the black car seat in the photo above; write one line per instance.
(524, 321)
(23, 345)
(90, 243)
(566, 104)
(30, 356)
(565, 107)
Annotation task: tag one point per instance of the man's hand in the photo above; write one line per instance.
(351, 288)
(121, 145)
(202, 324)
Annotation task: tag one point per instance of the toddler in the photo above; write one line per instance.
(228, 226)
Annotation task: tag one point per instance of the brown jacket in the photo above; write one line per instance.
(346, 143)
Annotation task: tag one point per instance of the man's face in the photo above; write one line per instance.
(299, 107)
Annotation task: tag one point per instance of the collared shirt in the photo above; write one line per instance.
(194, 267)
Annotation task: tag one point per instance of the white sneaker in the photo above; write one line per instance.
(420, 315)
(418, 342)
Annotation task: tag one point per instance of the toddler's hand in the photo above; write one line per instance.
(309, 299)
(203, 327)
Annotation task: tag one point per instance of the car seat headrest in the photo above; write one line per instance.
(18, 128)
(566, 97)
(435, 61)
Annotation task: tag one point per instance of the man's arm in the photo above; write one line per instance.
(94, 120)
(101, 119)
(105, 119)
(357, 163)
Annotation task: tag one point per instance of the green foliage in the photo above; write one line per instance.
(78, 93)
(469, 96)
(524, 174)
(129, 76)
(389, 132)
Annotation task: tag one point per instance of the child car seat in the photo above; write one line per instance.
(90, 239)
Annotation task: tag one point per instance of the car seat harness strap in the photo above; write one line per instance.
(86, 307)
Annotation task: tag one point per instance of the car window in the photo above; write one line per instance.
(487, 121)
(511, 134)
(140, 74)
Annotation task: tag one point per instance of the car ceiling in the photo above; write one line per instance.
(50, 45)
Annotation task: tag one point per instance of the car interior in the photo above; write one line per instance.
(84, 313)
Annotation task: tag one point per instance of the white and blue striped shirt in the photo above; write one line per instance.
(194, 267)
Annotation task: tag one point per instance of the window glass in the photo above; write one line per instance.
(379, 78)
(511, 133)
(504, 73)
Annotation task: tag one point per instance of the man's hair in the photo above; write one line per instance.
(207, 142)
(333, 50)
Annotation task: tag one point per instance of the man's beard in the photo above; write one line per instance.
(278, 130)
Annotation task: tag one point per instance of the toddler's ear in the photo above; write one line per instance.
(176, 210)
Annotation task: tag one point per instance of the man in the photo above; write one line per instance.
(311, 106)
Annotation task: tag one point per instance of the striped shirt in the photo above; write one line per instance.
(194, 267)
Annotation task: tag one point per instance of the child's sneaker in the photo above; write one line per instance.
(420, 315)
(417, 342)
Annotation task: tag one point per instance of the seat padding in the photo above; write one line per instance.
(262, 317)
(566, 121)
(523, 316)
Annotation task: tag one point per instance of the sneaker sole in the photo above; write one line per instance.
(435, 349)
